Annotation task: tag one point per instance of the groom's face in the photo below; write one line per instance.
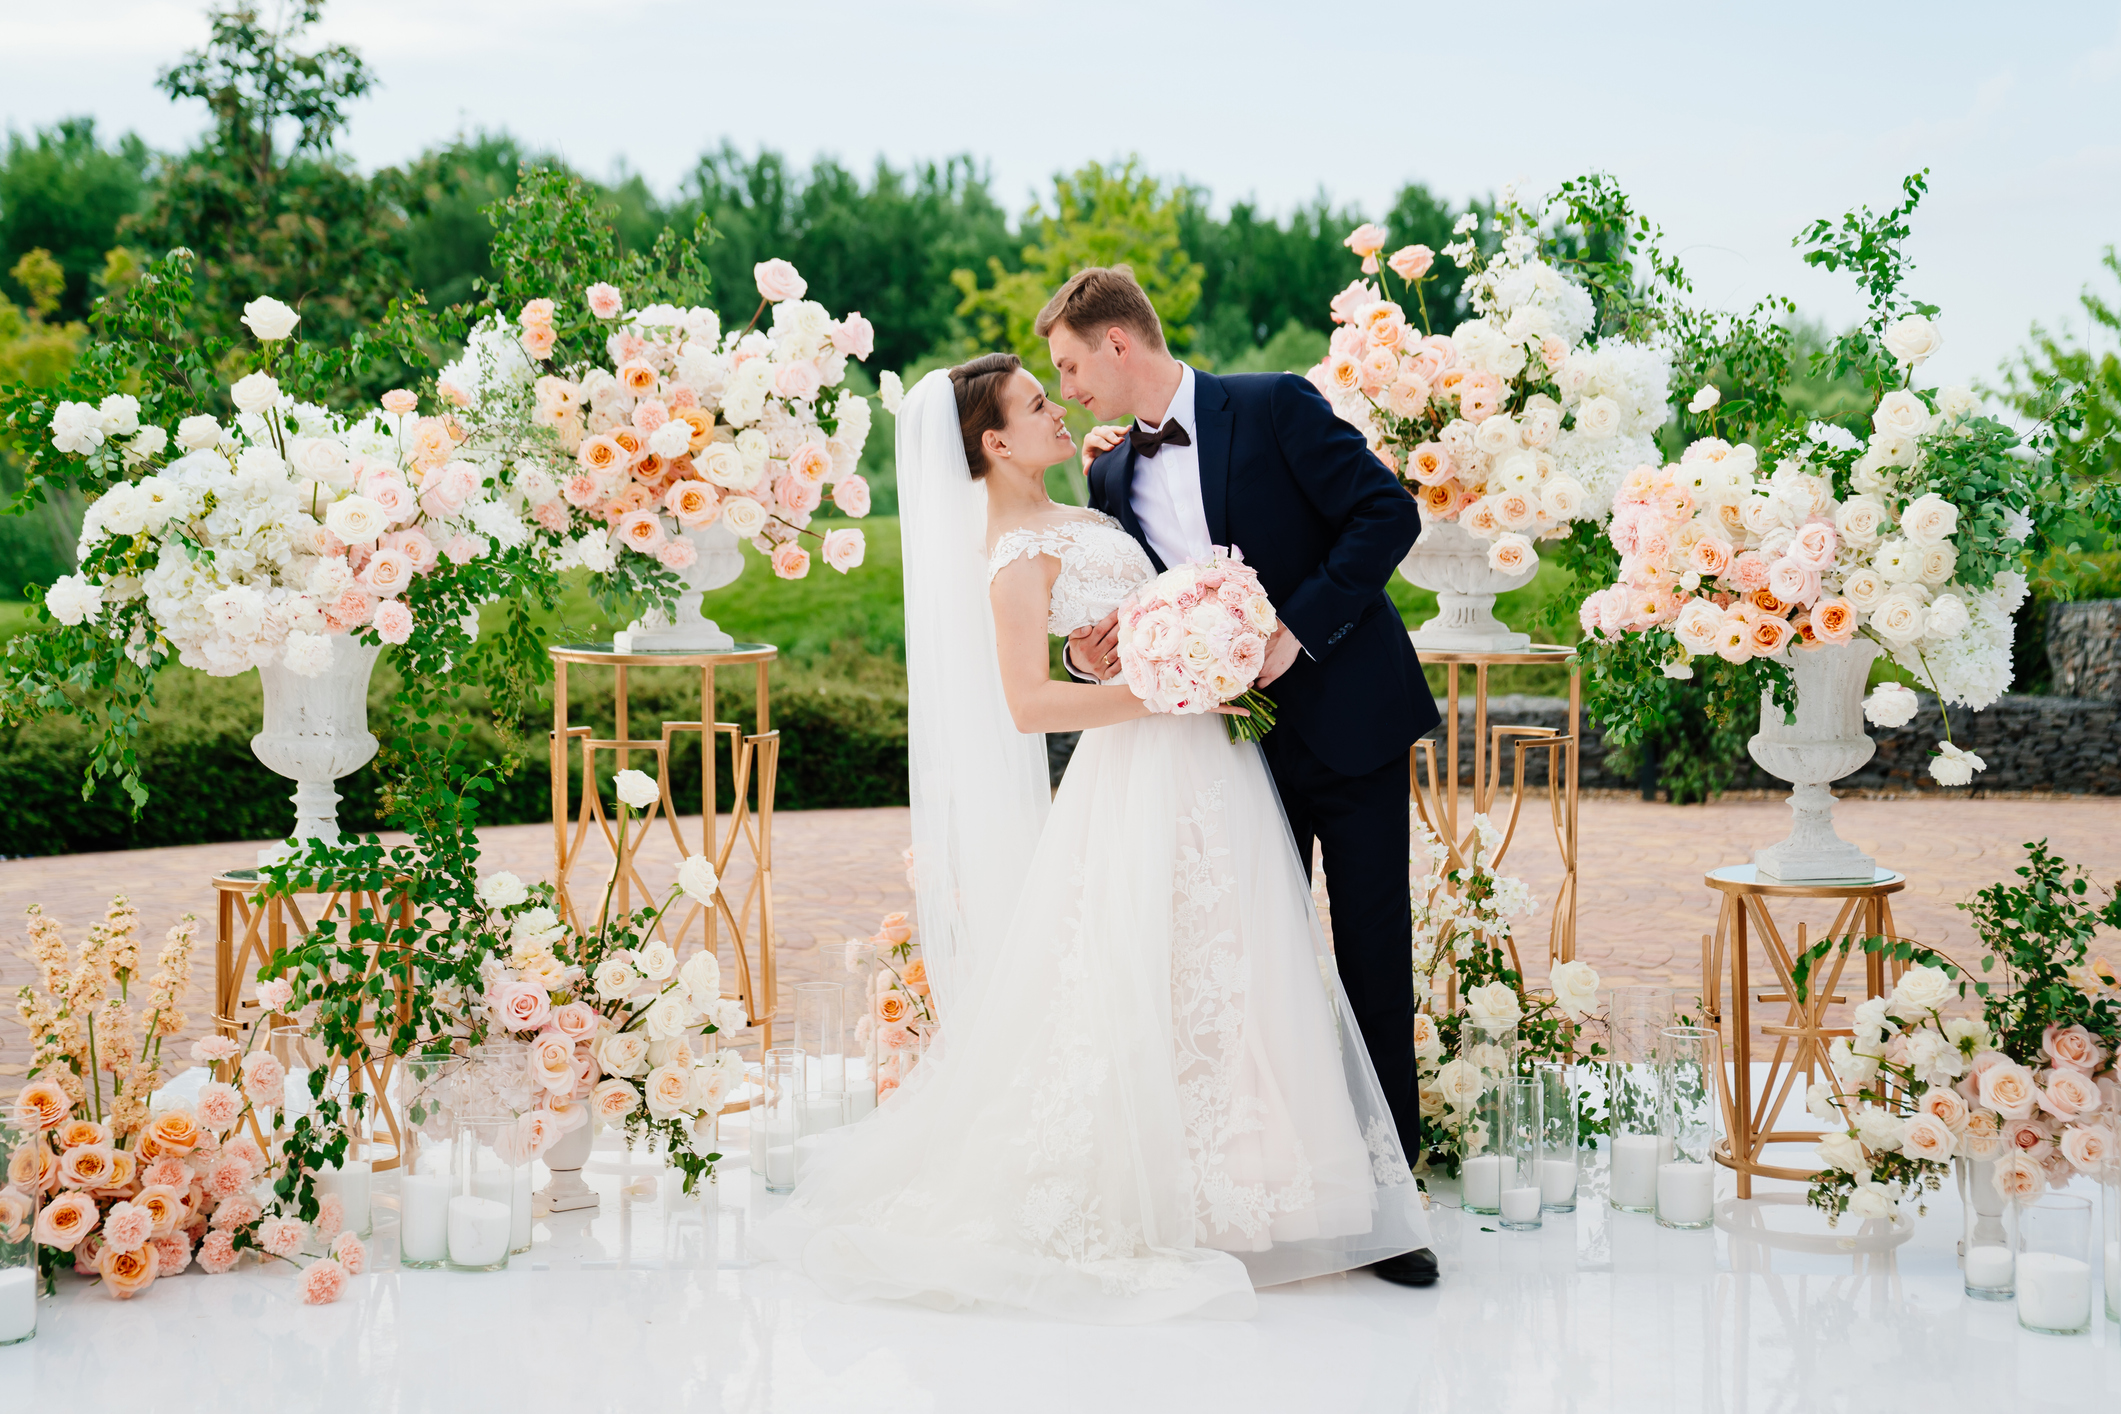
(1093, 372)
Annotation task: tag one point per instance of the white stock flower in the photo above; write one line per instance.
(637, 789)
(269, 319)
(697, 878)
(1954, 766)
(255, 393)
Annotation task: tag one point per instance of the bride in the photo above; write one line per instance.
(1151, 1096)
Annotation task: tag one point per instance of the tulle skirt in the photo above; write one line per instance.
(1158, 1101)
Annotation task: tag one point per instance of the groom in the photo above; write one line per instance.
(1260, 461)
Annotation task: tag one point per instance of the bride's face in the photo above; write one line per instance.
(1036, 434)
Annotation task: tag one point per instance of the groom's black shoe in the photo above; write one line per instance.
(1416, 1268)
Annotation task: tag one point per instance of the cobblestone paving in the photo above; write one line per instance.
(836, 872)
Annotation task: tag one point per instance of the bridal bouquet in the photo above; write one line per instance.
(682, 427)
(1513, 425)
(1195, 637)
(619, 1032)
(130, 1192)
(257, 541)
(2028, 1087)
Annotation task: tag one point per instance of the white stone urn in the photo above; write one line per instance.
(1453, 562)
(316, 730)
(565, 1192)
(719, 562)
(1823, 744)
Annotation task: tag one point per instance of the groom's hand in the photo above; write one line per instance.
(1282, 649)
(1094, 649)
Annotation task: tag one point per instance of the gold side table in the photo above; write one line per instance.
(754, 761)
(1436, 797)
(1803, 1038)
(250, 929)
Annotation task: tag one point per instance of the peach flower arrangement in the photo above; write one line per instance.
(899, 1019)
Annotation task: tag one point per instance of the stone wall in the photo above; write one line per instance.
(2084, 648)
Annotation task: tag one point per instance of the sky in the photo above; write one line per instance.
(1731, 126)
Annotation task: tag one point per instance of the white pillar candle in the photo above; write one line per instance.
(353, 1184)
(1557, 1181)
(1634, 1174)
(622, 642)
(2054, 1291)
(1686, 1193)
(1520, 1205)
(494, 1184)
(423, 1217)
(478, 1231)
(780, 1166)
(1988, 1266)
(823, 1112)
(18, 1304)
(1482, 1180)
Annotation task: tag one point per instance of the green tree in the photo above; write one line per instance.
(64, 193)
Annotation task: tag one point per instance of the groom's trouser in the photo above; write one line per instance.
(1360, 823)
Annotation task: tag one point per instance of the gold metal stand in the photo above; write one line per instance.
(1437, 796)
(754, 761)
(250, 929)
(1803, 1039)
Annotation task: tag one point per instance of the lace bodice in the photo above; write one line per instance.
(1100, 566)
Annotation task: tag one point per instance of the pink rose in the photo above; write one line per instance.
(2030, 1137)
(521, 1006)
(795, 495)
(798, 381)
(217, 1254)
(415, 546)
(577, 1021)
(852, 496)
(604, 300)
(777, 281)
(2008, 1089)
(2072, 1047)
(1814, 546)
(535, 312)
(677, 554)
(854, 336)
(321, 1282)
(1792, 581)
(387, 572)
(393, 495)
(843, 549)
(1411, 262)
(463, 549)
(398, 402)
(2069, 1094)
(1366, 240)
(552, 1063)
(393, 621)
(1354, 297)
(791, 561)
(2088, 1147)
(445, 489)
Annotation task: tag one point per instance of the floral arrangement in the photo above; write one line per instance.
(1195, 637)
(899, 1020)
(1511, 425)
(685, 428)
(619, 1033)
(2028, 1087)
(1464, 953)
(130, 1192)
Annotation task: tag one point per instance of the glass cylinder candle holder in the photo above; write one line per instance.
(852, 964)
(1686, 1130)
(18, 1250)
(482, 1199)
(1638, 1015)
(2110, 1206)
(776, 1116)
(1557, 1138)
(1522, 1140)
(495, 1079)
(2053, 1269)
(820, 1034)
(427, 1180)
(1489, 1054)
(1985, 1244)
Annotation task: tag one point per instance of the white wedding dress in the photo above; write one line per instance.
(1155, 1099)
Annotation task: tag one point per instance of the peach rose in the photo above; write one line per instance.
(1834, 620)
(895, 929)
(398, 402)
(811, 462)
(892, 1007)
(2008, 1089)
(2088, 1147)
(33, 1168)
(2072, 1047)
(1927, 1137)
(66, 1220)
(795, 495)
(164, 1206)
(791, 561)
(613, 1100)
(1366, 240)
(916, 976)
(1769, 635)
(1946, 1107)
(1411, 262)
(175, 1130)
(42, 1105)
(2069, 1094)
(538, 340)
(601, 454)
(81, 1131)
(1984, 1134)
(843, 549)
(639, 379)
(851, 495)
(604, 300)
(642, 531)
(694, 503)
(14, 1214)
(127, 1274)
(88, 1166)
(2018, 1178)
(123, 1168)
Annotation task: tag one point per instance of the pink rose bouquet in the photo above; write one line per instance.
(1195, 637)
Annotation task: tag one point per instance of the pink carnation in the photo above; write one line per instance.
(604, 300)
(347, 1250)
(393, 621)
(238, 1209)
(552, 514)
(172, 1254)
(854, 336)
(227, 1180)
(127, 1227)
(331, 1216)
(217, 1253)
(678, 554)
(220, 1106)
(282, 1237)
(210, 1049)
(321, 1282)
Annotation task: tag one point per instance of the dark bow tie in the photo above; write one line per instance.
(1148, 444)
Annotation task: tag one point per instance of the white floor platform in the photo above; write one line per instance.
(655, 1302)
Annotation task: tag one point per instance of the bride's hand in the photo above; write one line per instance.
(1100, 440)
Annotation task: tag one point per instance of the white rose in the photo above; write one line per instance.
(1852, 1068)
(1948, 616)
(76, 428)
(728, 1015)
(1890, 704)
(623, 1053)
(502, 890)
(891, 390)
(1869, 1023)
(1428, 1041)
(255, 393)
(1929, 519)
(356, 519)
(669, 1090)
(73, 599)
(1957, 402)
(1575, 987)
(1494, 1005)
(1562, 498)
(1926, 1137)
(637, 789)
(1879, 1129)
(1598, 418)
(697, 878)
(615, 980)
(752, 446)
(1704, 399)
(744, 516)
(269, 319)
(321, 459)
(1841, 1151)
(1458, 1083)
(1512, 554)
(1871, 1202)
(1864, 588)
(667, 1017)
(119, 414)
(1860, 519)
(1954, 765)
(656, 961)
(1911, 340)
(1899, 618)
(1901, 414)
(198, 432)
(701, 977)
(535, 928)
(1920, 990)
(672, 439)
(1934, 564)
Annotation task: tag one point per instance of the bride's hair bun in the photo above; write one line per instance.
(979, 386)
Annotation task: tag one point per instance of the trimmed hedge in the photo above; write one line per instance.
(843, 737)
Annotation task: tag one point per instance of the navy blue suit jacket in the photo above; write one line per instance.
(1324, 523)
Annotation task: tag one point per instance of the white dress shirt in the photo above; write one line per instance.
(1166, 495)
